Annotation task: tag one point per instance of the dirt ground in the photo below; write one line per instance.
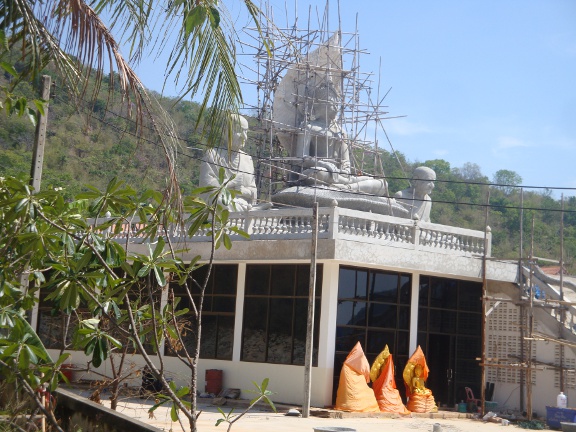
(260, 420)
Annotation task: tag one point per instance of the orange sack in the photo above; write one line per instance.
(387, 395)
(354, 394)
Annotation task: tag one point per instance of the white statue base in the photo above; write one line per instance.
(305, 196)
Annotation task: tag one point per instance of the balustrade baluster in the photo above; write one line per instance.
(363, 227)
(308, 224)
(441, 240)
(424, 237)
(357, 228)
(342, 223)
(323, 223)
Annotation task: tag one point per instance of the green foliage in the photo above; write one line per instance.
(507, 179)
(94, 148)
(261, 392)
(65, 249)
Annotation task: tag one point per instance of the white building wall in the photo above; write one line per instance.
(504, 345)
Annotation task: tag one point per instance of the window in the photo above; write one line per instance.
(449, 333)
(53, 323)
(275, 314)
(218, 311)
(373, 309)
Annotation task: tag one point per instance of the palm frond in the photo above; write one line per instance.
(72, 36)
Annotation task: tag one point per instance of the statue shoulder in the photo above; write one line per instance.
(214, 154)
(405, 194)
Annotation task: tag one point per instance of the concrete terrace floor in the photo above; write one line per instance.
(261, 419)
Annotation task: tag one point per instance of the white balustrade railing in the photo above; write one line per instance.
(338, 223)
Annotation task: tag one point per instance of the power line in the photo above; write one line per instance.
(200, 144)
(322, 187)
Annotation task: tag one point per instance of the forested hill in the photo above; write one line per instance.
(93, 148)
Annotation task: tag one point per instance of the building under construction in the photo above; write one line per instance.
(509, 325)
(502, 329)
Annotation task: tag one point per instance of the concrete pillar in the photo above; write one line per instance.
(327, 335)
(414, 313)
(328, 312)
(239, 313)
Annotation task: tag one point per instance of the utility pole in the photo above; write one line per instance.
(522, 306)
(36, 170)
(310, 323)
(40, 137)
(484, 303)
(562, 306)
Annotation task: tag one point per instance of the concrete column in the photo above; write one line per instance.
(414, 313)
(239, 313)
(322, 378)
(327, 345)
(35, 312)
(163, 303)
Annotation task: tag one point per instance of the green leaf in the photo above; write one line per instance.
(159, 248)
(114, 341)
(91, 323)
(33, 358)
(196, 224)
(9, 68)
(227, 241)
(160, 278)
(62, 359)
(264, 385)
(194, 19)
(40, 106)
(70, 297)
(90, 346)
(83, 262)
(143, 271)
(240, 232)
(183, 392)
(174, 413)
(269, 401)
(214, 17)
(32, 116)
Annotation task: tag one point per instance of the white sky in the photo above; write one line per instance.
(489, 82)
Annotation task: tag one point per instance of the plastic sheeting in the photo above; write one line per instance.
(354, 394)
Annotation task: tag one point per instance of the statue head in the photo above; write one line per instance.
(423, 181)
(239, 131)
(323, 99)
(418, 370)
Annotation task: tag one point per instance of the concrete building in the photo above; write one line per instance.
(381, 280)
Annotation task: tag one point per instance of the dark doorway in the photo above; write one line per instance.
(440, 360)
(373, 309)
(449, 332)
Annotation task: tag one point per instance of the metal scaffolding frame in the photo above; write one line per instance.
(361, 113)
(290, 50)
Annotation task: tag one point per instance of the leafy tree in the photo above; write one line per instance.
(74, 262)
(471, 172)
(506, 180)
(201, 55)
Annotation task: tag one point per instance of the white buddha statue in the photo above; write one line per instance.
(235, 163)
(417, 197)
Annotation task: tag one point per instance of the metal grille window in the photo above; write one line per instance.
(275, 313)
(373, 309)
(218, 311)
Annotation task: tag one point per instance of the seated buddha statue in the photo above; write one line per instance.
(418, 385)
(420, 398)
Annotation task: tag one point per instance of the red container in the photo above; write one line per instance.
(214, 381)
(66, 370)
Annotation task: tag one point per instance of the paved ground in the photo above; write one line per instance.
(260, 420)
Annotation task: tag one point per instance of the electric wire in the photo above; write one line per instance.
(347, 191)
